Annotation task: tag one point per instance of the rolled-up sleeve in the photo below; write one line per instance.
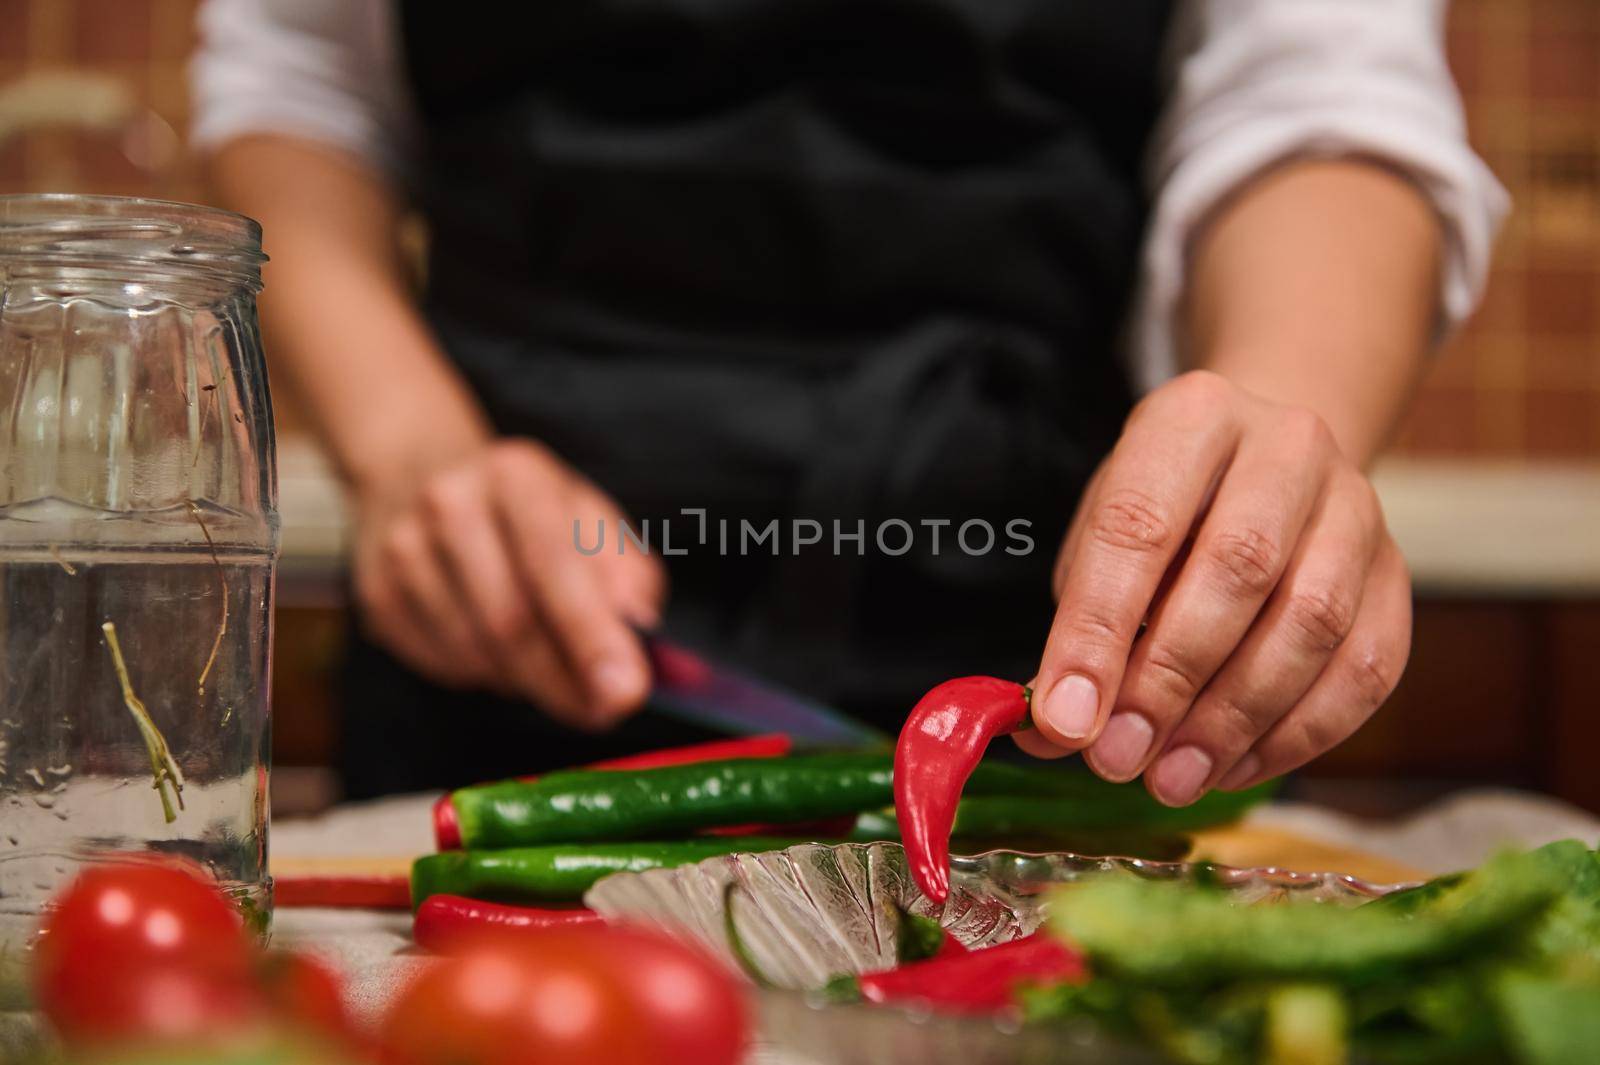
(1255, 82)
(328, 72)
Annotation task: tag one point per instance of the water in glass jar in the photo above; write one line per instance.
(84, 769)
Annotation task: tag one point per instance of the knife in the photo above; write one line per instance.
(692, 688)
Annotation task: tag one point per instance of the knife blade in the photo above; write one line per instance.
(693, 688)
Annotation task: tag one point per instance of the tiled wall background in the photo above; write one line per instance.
(1522, 381)
(1524, 378)
(135, 46)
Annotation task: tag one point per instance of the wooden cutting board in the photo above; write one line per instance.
(1261, 845)
(359, 883)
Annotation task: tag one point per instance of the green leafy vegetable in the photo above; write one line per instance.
(1499, 964)
(1550, 1021)
(1163, 933)
(1305, 1025)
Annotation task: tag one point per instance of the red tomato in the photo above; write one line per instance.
(120, 929)
(306, 992)
(164, 1004)
(570, 996)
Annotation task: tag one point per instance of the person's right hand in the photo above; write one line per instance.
(472, 577)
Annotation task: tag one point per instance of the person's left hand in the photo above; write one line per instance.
(1278, 606)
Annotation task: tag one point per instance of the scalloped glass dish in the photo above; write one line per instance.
(816, 910)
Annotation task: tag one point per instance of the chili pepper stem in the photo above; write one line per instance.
(222, 581)
(164, 771)
(1027, 719)
(55, 553)
(736, 943)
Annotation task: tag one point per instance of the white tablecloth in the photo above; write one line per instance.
(374, 951)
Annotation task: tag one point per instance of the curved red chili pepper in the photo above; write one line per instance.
(939, 747)
(447, 825)
(977, 981)
(443, 921)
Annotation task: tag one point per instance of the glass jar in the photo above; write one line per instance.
(138, 540)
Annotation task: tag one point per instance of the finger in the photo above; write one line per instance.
(1240, 553)
(637, 584)
(1360, 676)
(1303, 626)
(634, 578)
(526, 662)
(390, 620)
(1154, 484)
(1032, 743)
(479, 562)
(570, 597)
(541, 673)
(1069, 545)
(433, 602)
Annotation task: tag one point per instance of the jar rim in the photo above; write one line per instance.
(88, 230)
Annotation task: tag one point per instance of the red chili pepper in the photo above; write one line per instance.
(773, 745)
(831, 828)
(368, 891)
(940, 745)
(977, 981)
(447, 826)
(443, 921)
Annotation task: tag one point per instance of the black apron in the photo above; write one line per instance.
(853, 261)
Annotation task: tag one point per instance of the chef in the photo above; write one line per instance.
(1047, 339)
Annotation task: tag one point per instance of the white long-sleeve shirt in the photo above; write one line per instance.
(1252, 82)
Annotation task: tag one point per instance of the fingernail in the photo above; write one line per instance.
(615, 681)
(1242, 773)
(1179, 776)
(1123, 743)
(1071, 706)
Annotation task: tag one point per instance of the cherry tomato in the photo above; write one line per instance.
(306, 993)
(570, 996)
(120, 929)
(164, 1004)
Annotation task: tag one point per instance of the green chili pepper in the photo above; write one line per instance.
(984, 815)
(559, 873)
(580, 806)
(981, 825)
(670, 801)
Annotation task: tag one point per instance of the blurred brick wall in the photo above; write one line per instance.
(1522, 380)
(140, 43)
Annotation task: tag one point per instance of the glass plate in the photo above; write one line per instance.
(814, 911)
